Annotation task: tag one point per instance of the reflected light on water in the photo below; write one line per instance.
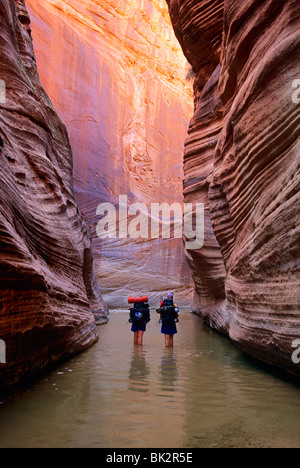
(203, 392)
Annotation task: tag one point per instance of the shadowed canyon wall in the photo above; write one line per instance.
(242, 160)
(118, 78)
(49, 296)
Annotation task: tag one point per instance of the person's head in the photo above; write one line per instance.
(170, 296)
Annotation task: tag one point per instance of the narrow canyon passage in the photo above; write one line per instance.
(117, 77)
(203, 393)
(159, 102)
(131, 94)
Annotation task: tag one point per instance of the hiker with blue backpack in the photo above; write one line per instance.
(139, 317)
(169, 314)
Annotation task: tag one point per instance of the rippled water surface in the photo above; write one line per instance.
(202, 393)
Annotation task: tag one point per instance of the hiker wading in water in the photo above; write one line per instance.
(139, 317)
(169, 314)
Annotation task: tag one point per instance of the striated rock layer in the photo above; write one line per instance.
(49, 297)
(242, 160)
(118, 78)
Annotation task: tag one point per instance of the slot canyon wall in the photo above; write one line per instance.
(242, 158)
(50, 301)
(119, 80)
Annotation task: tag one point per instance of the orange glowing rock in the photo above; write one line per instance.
(118, 78)
(49, 297)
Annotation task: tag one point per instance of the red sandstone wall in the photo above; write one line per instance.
(49, 298)
(117, 76)
(242, 159)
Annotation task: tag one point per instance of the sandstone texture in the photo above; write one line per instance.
(242, 159)
(119, 80)
(49, 297)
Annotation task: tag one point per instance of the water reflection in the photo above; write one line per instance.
(168, 370)
(202, 393)
(139, 371)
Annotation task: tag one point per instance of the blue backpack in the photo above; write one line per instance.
(140, 314)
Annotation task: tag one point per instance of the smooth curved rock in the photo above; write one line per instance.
(48, 287)
(118, 78)
(242, 157)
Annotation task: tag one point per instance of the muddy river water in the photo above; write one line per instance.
(202, 393)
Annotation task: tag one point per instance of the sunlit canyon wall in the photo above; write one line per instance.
(242, 158)
(49, 298)
(119, 80)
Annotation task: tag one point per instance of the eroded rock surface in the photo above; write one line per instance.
(242, 160)
(49, 297)
(118, 78)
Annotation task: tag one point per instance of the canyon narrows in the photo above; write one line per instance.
(119, 111)
(117, 76)
(50, 300)
(242, 159)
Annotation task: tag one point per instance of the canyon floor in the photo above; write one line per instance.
(203, 393)
(96, 103)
